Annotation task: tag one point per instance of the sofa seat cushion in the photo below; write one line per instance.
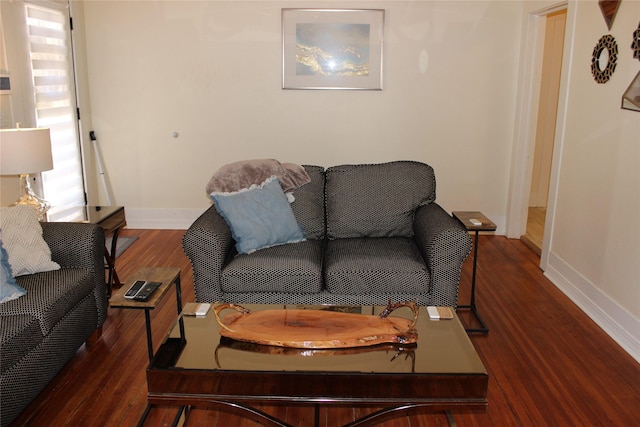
(295, 268)
(389, 265)
(50, 295)
(19, 334)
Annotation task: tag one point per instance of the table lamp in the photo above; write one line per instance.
(24, 151)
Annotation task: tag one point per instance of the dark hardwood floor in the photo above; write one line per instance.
(548, 363)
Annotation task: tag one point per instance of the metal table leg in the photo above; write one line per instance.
(179, 301)
(472, 305)
(147, 318)
(110, 258)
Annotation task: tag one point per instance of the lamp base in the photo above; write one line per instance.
(28, 197)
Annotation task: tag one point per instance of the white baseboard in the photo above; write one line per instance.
(161, 219)
(500, 222)
(617, 322)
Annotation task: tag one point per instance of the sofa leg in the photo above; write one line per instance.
(94, 337)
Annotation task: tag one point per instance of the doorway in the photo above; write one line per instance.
(555, 24)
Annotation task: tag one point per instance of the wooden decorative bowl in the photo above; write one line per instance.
(317, 329)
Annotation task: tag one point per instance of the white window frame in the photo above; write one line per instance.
(34, 98)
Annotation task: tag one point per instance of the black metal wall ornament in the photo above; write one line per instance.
(635, 45)
(605, 56)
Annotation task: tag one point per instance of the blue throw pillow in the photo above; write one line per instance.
(259, 217)
(9, 289)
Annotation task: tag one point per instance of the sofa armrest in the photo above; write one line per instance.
(208, 243)
(75, 244)
(80, 245)
(444, 244)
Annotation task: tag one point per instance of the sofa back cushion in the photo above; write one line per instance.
(308, 206)
(376, 200)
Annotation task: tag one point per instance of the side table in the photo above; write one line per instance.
(167, 276)
(465, 218)
(112, 220)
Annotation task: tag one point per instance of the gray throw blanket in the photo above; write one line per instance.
(243, 174)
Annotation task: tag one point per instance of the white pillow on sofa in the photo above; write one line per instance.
(21, 235)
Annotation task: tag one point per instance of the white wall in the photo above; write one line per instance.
(211, 71)
(593, 251)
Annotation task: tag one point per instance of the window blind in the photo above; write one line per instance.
(51, 60)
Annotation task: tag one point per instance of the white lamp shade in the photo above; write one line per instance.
(25, 151)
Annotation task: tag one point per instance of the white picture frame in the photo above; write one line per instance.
(332, 48)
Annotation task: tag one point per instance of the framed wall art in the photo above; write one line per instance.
(604, 58)
(631, 97)
(5, 83)
(609, 9)
(332, 48)
(635, 44)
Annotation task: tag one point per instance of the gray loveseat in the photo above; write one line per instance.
(41, 331)
(374, 233)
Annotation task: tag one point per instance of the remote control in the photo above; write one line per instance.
(134, 289)
(145, 293)
(439, 313)
(475, 221)
(203, 309)
(433, 312)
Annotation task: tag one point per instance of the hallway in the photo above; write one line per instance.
(535, 229)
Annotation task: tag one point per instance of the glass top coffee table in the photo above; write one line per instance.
(442, 372)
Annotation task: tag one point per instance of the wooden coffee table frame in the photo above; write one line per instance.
(238, 391)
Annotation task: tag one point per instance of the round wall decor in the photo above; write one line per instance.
(605, 55)
(635, 45)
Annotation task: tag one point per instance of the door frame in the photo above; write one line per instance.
(526, 122)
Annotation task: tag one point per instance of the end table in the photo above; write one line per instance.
(486, 224)
(167, 276)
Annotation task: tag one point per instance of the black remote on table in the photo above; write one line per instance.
(134, 289)
(145, 293)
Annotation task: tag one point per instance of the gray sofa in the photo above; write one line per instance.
(374, 233)
(41, 331)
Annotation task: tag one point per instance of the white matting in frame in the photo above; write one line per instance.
(332, 48)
